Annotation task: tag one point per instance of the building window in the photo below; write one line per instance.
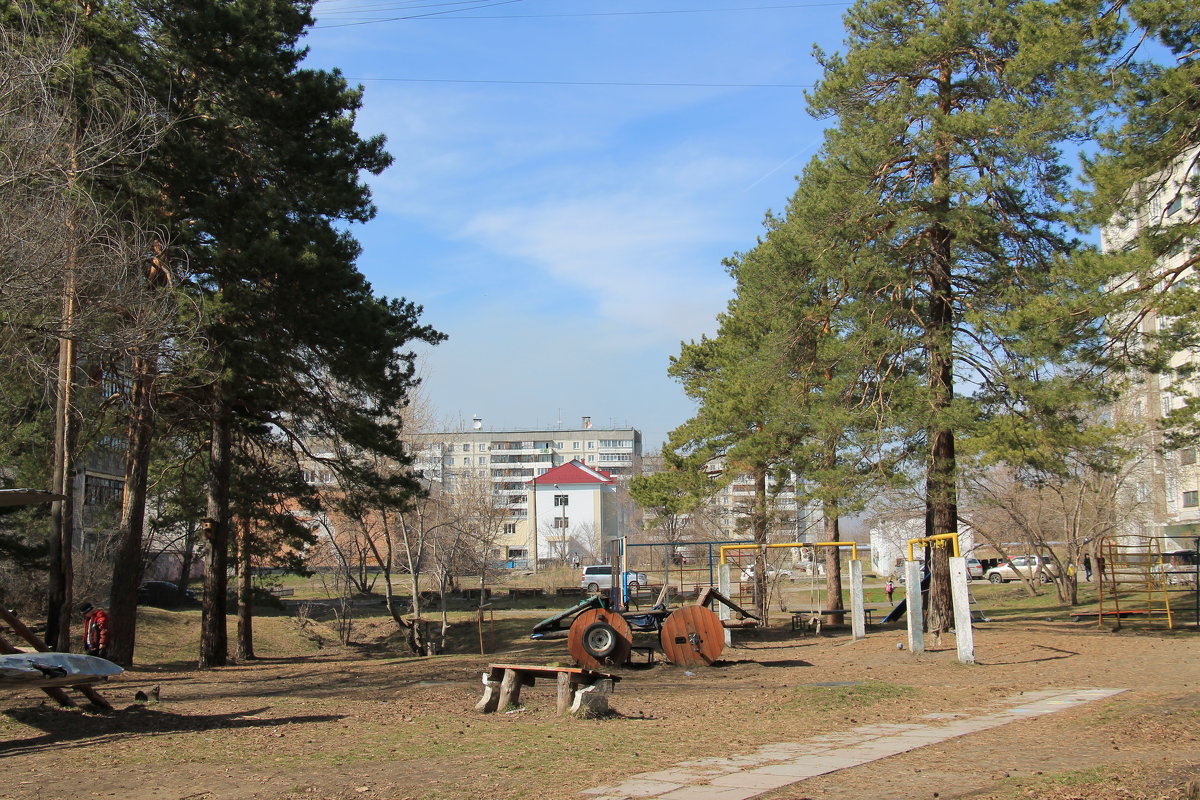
(1187, 455)
(560, 500)
(558, 445)
(592, 445)
(483, 448)
(1175, 204)
(113, 383)
(102, 491)
(466, 448)
(561, 522)
(1191, 499)
(510, 528)
(517, 552)
(574, 445)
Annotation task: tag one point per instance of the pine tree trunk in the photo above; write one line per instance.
(245, 624)
(833, 558)
(214, 636)
(940, 488)
(60, 543)
(127, 565)
(185, 561)
(758, 521)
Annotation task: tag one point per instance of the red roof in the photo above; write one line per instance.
(573, 472)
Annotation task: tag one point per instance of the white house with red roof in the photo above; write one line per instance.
(576, 512)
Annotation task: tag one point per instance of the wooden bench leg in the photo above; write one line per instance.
(510, 689)
(565, 689)
(491, 695)
(592, 701)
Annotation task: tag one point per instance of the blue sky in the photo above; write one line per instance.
(562, 220)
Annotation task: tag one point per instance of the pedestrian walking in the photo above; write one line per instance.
(889, 587)
(1087, 566)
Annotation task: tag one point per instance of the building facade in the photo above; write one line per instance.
(1165, 485)
(510, 460)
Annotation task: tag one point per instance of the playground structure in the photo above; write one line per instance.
(834, 615)
(959, 592)
(1133, 579)
(691, 567)
(599, 634)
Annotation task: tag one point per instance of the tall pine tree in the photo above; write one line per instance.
(950, 119)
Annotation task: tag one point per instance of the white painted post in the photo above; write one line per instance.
(960, 594)
(912, 601)
(723, 586)
(858, 617)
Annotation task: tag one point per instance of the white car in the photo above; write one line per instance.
(1024, 565)
(772, 573)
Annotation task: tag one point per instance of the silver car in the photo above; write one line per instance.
(1027, 566)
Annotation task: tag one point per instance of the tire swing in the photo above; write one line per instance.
(692, 636)
(599, 638)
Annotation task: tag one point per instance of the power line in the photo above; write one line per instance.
(443, 15)
(595, 83)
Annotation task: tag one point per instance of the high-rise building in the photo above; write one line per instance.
(512, 459)
(1165, 486)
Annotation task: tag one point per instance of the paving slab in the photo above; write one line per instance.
(773, 766)
(754, 779)
(713, 793)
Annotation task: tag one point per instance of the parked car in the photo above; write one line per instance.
(1028, 566)
(598, 577)
(772, 573)
(974, 569)
(1177, 567)
(163, 593)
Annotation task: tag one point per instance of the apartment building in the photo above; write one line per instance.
(1165, 486)
(725, 515)
(512, 460)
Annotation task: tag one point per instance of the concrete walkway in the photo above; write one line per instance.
(774, 766)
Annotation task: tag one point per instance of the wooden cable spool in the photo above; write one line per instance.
(692, 636)
(599, 638)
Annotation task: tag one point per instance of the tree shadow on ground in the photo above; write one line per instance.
(65, 729)
(1057, 655)
(787, 662)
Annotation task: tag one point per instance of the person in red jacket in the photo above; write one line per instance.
(95, 630)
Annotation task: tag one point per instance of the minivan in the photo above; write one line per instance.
(598, 577)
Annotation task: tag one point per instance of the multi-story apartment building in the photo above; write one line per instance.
(725, 515)
(512, 459)
(1165, 486)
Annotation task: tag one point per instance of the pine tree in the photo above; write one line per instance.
(950, 119)
(260, 168)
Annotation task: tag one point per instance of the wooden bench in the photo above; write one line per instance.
(280, 591)
(579, 689)
(568, 591)
(526, 592)
(803, 620)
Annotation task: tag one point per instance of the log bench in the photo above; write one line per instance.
(803, 620)
(579, 690)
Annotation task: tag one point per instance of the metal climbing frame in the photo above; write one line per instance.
(857, 608)
(1132, 580)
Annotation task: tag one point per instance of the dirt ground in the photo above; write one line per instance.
(361, 724)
